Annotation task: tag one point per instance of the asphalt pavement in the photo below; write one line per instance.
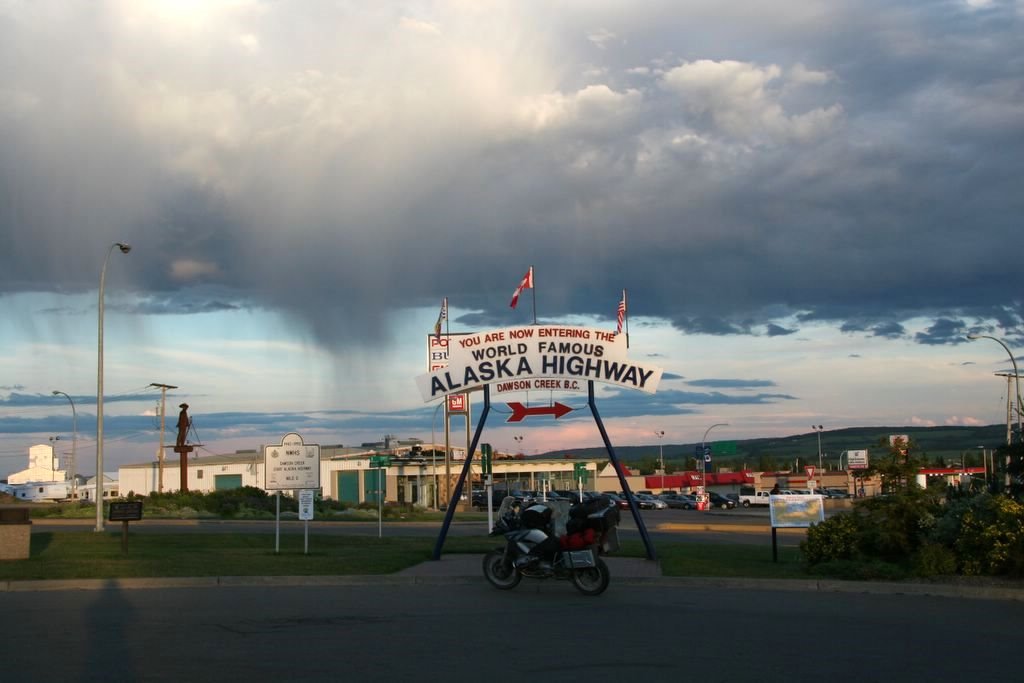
(457, 568)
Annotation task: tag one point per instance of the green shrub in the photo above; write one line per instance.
(893, 527)
(833, 539)
(986, 534)
(933, 559)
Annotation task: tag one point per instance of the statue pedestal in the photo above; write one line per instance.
(183, 451)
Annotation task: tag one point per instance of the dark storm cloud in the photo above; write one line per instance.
(943, 331)
(773, 330)
(849, 163)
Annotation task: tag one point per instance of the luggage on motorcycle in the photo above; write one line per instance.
(603, 520)
(536, 517)
(583, 510)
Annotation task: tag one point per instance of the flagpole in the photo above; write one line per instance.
(533, 287)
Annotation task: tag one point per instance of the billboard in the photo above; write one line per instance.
(857, 460)
(561, 357)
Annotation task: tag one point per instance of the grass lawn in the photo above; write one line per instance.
(71, 555)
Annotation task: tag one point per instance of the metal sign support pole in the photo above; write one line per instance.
(618, 471)
(466, 468)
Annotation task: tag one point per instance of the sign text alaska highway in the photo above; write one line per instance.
(537, 357)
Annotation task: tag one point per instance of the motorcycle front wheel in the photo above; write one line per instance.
(499, 572)
(592, 580)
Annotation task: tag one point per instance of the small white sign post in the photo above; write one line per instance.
(306, 497)
(290, 466)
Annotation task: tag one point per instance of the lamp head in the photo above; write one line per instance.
(125, 248)
(56, 393)
(973, 336)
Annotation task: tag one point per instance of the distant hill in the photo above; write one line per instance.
(947, 443)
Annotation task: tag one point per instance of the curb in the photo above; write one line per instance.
(801, 585)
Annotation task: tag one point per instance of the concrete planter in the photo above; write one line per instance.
(15, 533)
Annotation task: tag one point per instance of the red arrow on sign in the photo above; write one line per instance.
(519, 411)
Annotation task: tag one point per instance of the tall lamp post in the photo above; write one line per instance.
(1016, 376)
(99, 386)
(818, 429)
(703, 451)
(74, 442)
(660, 433)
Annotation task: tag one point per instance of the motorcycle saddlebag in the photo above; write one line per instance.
(604, 520)
(536, 517)
(579, 559)
(584, 510)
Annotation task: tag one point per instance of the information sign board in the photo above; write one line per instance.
(292, 464)
(857, 460)
(306, 497)
(125, 511)
(798, 511)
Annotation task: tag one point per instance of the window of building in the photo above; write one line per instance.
(199, 474)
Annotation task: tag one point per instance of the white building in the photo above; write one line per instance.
(347, 474)
(42, 467)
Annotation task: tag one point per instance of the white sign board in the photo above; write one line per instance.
(291, 464)
(513, 358)
(306, 497)
(857, 460)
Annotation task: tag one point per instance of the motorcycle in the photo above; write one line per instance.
(535, 549)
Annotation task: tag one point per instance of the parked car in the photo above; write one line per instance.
(681, 501)
(647, 501)
(717, 500)
(617, 500)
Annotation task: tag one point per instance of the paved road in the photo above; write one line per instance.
(468, 631)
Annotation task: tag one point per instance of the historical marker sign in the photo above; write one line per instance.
(292, 464)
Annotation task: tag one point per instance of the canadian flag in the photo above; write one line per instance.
(527, 283)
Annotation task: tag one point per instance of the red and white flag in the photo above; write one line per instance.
(622, 313)
(527, 283)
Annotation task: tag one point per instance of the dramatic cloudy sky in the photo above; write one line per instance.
(810, 204)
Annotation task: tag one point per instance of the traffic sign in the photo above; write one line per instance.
(809, 469)
(380, 461)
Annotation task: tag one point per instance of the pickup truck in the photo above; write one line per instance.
(748, 498)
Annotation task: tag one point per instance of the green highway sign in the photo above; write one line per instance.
(380, 461)
(486, 458)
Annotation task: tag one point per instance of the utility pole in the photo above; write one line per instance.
(163, 414)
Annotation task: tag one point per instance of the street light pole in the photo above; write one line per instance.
(74, 442)
(703, 461)
(660, 433)
(1016, 376)
(818, 429)
(99, 386)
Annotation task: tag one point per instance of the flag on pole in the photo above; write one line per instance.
(527, 283)
(621, 314)
(441, 317)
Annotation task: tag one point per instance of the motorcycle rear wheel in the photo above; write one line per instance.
(499, 572)
(592, 580)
